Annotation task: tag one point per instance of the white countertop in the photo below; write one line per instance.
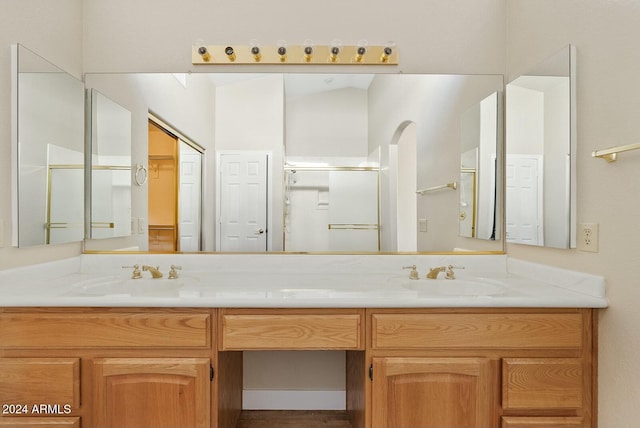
(298, 281)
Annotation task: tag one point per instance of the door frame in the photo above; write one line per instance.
(269, 155)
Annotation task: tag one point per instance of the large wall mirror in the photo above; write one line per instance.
(48, 152)
(319, 162)
(541, 154)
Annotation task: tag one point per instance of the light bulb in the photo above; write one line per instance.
(387, 51)
(254, 46)
(230, 53)
(308, 50)
(202, 50)
(361, 49)
(282, 50)
(334, 50)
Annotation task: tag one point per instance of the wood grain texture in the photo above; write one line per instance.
(146, 328)
(35, 381)
(356, 382)
(40, 422)
(542, 383)
(541, 422)
(151, 392)
(481, 330)
(431, 392)
(291, 331)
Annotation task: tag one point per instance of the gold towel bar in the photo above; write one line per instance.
(452, 186)
(610, 155)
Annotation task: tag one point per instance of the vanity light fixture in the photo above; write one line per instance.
(255, 50)
(361, 49)
(230, 53)
(283, 53)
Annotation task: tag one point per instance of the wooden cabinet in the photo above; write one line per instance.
(151, 392)
(106, 367)
(431, 392)
(509, 368)
(295, 329)
(445, 368)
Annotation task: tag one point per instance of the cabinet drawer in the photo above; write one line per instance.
(291, 331)
(95, 329)
(541, 422)
(481, 330)
(541, 383)
(39, 381)
(43, 422)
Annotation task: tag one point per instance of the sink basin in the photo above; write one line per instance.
(458, 287)
(115, 286)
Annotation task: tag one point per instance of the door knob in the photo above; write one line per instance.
(260, 232)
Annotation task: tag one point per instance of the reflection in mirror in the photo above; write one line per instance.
(48, 152)
(110, 168)
(479, 209)
(344, 155)
(541, 153)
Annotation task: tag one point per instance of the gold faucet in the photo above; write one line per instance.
(433, 272)
(155, 273)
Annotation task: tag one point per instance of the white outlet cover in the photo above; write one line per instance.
(588, 238)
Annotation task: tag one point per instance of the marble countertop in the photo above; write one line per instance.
(298, 281)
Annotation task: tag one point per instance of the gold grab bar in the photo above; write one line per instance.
(353, 226)
(610, 155)
(452, 186)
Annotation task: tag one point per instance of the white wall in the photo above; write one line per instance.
(606, 35)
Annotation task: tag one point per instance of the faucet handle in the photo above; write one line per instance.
(173, 274)
(136, 274)
(450, 273)
(414, 273)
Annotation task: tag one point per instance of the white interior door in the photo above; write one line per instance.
(243, 202)
(524, 199)
(190, 198)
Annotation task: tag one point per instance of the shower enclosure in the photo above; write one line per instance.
(331, 208)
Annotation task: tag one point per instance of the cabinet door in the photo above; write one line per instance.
(432, 392)
(151, 392)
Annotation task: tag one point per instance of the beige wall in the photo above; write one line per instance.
(606, 35)
(458, 36)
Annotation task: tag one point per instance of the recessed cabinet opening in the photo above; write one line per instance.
(294, 388)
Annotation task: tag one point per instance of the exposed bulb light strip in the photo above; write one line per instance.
(307, 53)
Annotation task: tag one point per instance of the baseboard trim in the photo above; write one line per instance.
(293, 400)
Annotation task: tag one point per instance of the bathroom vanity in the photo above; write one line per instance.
(505, 360)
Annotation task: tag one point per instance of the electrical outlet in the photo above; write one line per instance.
(141, 226)
(588, 237)
(422, 225)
